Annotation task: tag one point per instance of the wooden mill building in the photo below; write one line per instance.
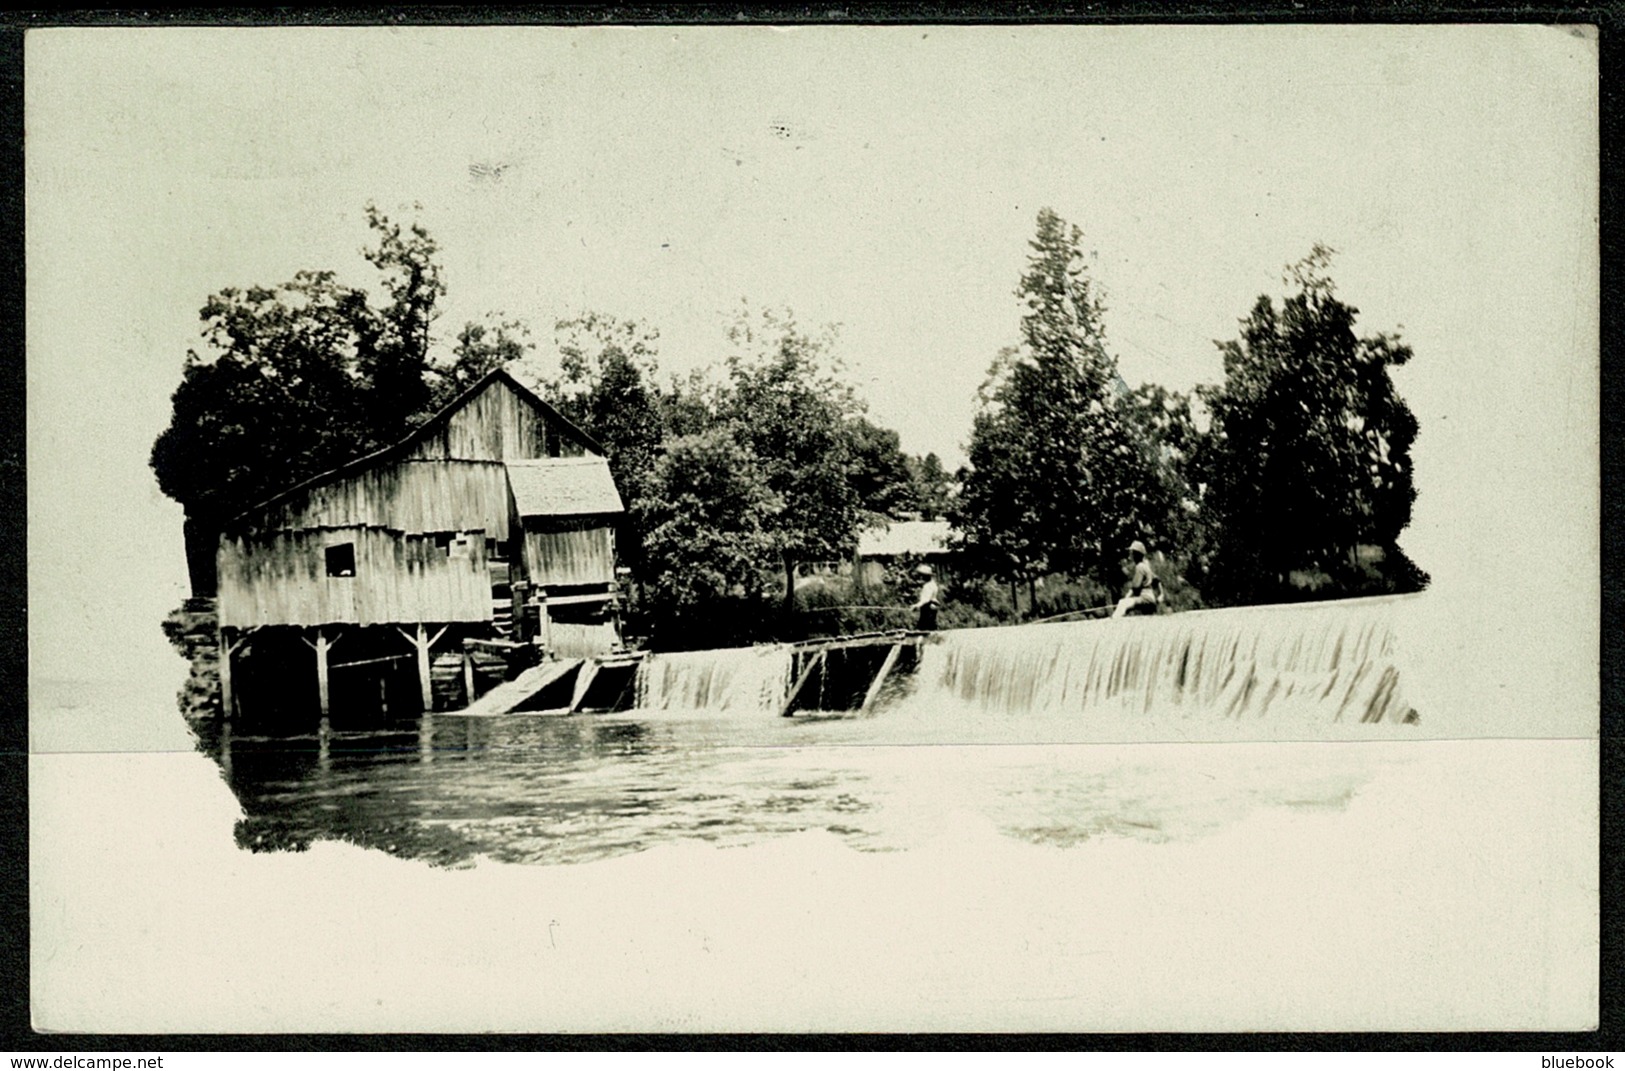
(365, 580)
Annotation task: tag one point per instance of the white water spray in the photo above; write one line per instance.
(1315, 663)
(1305, 664)
(739, 679)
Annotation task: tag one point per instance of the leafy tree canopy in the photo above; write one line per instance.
(1308, 454)
(297, 378)
(482, 347)
(710, 518)
(1060, 477)
(791, 411)
(606, 385)
(933, 487)
(881, 474)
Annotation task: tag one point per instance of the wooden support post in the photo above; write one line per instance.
(801, 683)
(425, 680)
(545, 620)
(422, 642)
(880, 678)
(468, 675)
(321, 647)
(517, 590)
(321, 670)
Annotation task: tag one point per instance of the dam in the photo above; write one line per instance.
(1330, 662)
(1053, 733)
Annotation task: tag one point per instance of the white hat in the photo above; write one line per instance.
(1136, 547)
(924, 570)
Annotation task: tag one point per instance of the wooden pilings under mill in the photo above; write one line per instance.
(356, 673)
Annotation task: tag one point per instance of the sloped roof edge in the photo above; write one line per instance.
(563, 487)
(423, 431)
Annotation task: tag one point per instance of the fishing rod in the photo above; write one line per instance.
(911, 609)
(1073, 613)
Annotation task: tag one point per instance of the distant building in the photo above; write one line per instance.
(878, 547)
(426, 540)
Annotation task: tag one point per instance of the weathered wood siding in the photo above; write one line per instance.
(280, 578)
(497, 425)
(409, 496)
(561, 550)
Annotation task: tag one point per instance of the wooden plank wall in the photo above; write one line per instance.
(280, 578)
(497, 425)
(561, 553)
(410, 496)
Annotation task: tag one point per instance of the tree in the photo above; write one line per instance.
(792, 413)
(1307, 458)
(710, 539)
(481, 349)
(880, 474)
(932, 488)
(271, 400)
(1059, 478)
(1000, 508)
(394, 358)
(1163, 423)
(606, 386)
(295, 379)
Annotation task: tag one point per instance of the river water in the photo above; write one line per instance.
(1154, 730)
(521, 788)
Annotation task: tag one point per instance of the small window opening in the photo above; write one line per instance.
(341, 559)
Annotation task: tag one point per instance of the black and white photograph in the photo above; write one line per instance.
(813, 528)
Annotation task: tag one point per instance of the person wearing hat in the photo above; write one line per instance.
(1142, 588)
(927, 603)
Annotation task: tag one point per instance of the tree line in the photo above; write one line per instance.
(738, 476)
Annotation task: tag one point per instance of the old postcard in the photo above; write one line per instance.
(815, 528)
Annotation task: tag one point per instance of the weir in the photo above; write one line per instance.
(740, 679)
(1307, 663)
(1314, 662)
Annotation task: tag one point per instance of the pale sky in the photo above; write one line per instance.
(883, 179)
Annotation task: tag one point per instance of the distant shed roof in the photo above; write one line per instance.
(920, 538)
(563, 487)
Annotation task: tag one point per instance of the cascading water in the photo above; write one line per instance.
(1315, 662)
(1303, 664)
(740, 679)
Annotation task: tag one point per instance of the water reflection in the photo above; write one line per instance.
(449, 789)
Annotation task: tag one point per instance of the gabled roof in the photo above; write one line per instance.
(563, 487)
(429, 427)
(921, 538)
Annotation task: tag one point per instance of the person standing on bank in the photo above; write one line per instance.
(927, 604)
(1142, 588)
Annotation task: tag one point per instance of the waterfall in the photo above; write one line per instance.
(1318, 662)
(740, 679)
(1304, 664)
